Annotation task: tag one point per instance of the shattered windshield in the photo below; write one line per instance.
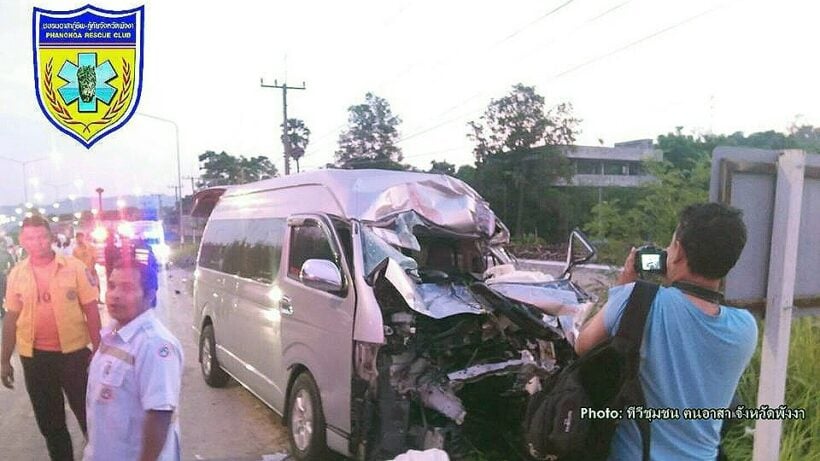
(377, 250)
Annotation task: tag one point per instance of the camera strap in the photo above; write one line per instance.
(705, 294)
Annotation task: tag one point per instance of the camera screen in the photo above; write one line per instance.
(650, 262)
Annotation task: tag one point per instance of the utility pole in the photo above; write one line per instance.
(285, 140)
(192, 178)
(178, 197)
(100, 191)
(159, 207)
(194, 221)
(179, 168)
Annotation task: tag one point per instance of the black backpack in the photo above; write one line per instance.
(605, 380)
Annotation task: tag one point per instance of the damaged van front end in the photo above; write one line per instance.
(450, 337)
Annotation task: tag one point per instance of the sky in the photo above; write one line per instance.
(632, 69)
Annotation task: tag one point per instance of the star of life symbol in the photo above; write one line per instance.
(88, 69)
(87, 82)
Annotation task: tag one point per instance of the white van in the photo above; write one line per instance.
(377, 311)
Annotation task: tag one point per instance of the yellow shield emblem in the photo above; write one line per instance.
(88, 69)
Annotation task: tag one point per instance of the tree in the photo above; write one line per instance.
(805, 137)
(223, 169)
(299, 135)
(371, 137)
(654, 214)
(518, 122)
(518, 151)
(442, 168)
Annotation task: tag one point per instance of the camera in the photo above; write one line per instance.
(650, 259)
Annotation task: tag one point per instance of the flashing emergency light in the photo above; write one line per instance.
(99, 234)
(126, 230)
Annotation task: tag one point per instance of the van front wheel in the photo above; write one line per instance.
(213, 373)
(306, 421)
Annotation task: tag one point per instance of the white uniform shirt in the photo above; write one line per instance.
(137, 368)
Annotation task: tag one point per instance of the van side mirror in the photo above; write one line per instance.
(321, 274)
(580, 250)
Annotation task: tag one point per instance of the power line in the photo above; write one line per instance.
(607, 12)
(567, 71)
(434, 152)
(387, 22)
(436, 126)
(484, 92)
(574, 68)
(448, 59)
(639, 41)
(535, 21)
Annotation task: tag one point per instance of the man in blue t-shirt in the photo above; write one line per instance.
(693, 350)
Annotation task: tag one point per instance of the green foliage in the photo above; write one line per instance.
(649, 214)
(366, 163)
(653, 216)
(517, 122)
(799, 440)
(529, 240)
(443, 167)
(371, 137)
(805, 137)
(466, 173)
(223, 169)
(517, 152)
(298, 135)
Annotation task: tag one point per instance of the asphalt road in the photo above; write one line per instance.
(217, 424)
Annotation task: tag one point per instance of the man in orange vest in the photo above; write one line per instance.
(85, 253)
(52, 317)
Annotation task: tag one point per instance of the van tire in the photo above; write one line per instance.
(212, 372)
(306, 421)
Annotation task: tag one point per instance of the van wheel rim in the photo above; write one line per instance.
(301, 420)
(206, 357)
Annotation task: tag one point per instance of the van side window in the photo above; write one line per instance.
(263, 249)
(234, 251)
(213, 244)
(249, 248)
(308, 242)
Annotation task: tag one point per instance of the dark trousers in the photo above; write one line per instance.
(47, 375)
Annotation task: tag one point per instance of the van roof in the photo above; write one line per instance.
(356, 190)
(341, 181)
(376, 195)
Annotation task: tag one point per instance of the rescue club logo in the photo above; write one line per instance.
(88, 69)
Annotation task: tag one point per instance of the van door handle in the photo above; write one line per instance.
(285, 306)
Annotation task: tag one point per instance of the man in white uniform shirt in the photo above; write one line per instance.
(135, 376)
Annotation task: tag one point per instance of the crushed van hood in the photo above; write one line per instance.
(440, 203)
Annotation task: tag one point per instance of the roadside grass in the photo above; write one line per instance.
(801, 438)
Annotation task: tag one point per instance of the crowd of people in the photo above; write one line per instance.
(122, 382)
